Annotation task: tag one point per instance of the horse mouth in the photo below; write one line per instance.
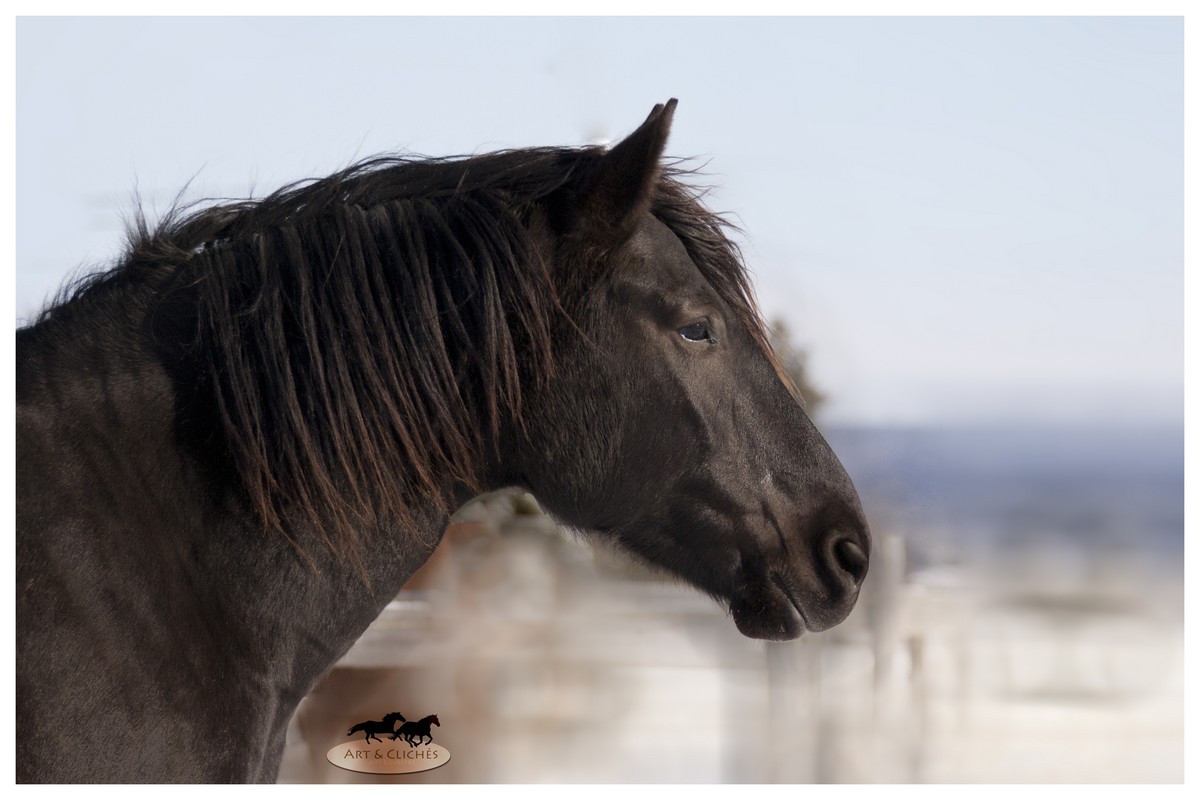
(769, 611)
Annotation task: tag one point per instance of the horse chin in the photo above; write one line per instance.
(766, 612)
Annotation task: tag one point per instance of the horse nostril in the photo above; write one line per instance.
(851, 558)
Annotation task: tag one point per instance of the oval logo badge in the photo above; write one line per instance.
(390, 758)
(395, 750)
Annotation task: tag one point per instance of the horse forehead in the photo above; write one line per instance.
(654, 248)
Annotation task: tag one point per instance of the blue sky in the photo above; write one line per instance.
(964, 219)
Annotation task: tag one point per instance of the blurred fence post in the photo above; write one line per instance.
(887, 571)
(794, 710)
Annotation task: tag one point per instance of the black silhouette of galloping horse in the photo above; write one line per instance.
(416, 733)
(234, 447)
(373, 728)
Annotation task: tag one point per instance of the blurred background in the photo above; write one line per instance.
(969, 234)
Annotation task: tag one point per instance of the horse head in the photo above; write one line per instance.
(668, 426)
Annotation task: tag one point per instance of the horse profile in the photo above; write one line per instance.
(235, 446)
(416, 733)
(373, 728)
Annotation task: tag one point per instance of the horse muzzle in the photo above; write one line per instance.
(782, 600)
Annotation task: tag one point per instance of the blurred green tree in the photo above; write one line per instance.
(795, 362)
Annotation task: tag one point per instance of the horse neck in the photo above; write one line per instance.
(103, 477)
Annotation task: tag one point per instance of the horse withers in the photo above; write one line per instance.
(235, 447)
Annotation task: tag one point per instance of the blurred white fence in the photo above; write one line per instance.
(547, 661)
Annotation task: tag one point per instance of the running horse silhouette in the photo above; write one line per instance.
(373, 728)
(235, 446)
(415, 733)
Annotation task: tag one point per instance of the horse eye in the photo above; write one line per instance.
(696, 332)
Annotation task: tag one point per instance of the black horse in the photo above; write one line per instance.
(234, 447)
(416, 733)
(372, 728)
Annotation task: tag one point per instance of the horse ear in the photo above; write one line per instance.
(622, 185)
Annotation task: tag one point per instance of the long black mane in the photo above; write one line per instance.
(363, 337)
